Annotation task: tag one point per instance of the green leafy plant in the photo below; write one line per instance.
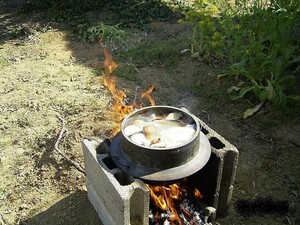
(258, 43)
(101, 31)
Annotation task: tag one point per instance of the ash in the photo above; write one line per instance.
(189, 211)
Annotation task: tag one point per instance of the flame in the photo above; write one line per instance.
(119, 96)
(120, 107)
(166, 198)
(109, 62)
(198, 194)
(157, 193)
(147, 95)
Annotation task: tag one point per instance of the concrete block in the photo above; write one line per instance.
(118, 198)
(222, 164)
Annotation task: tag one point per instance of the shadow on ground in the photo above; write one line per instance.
(74, 209)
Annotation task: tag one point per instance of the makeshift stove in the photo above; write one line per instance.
(123, 176)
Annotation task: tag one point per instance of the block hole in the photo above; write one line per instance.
(216, 143)
(204, 131)
(103, 147)
(109, 163)
(123, 178)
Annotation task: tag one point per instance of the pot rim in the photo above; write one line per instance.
(148, 108)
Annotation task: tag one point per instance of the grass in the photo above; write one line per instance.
(6, 143)
(164, 53)
(128, 72)
(258, 44)
(100, 31)
(4, 62)
(262, 57)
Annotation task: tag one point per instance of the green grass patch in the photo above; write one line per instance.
(62, 11)
(127, 72)
(136, 12)
(133, 13)
(158, 52)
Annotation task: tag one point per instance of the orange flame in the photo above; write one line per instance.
(147, 95)
(109, 63)
(198, 194)
(119, 96)
(120, 108)
(166, 197)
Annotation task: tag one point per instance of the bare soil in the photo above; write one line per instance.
(45, 74)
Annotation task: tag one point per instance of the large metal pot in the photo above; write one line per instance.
(161, 164)
(159, 158)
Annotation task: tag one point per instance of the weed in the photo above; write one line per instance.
(100, 31)
(68, 10)
(136, 12)
(160, 52)
(3, 193)
(128, 72)
(258, 43)
(127, 13)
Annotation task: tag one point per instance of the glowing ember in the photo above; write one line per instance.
(176, 203)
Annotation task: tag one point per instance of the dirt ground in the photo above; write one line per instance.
(46, 75)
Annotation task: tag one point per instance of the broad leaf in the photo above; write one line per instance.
(263, 95)
(242, 92)
(251, 111)
(270, 91)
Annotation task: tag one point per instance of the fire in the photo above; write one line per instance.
(109, 63)
(120, 106)
(164, 197)
(148, 96)
(197, 194)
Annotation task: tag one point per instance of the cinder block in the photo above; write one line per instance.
(118, 198)
(222, 165)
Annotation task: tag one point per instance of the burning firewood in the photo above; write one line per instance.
(187, 206)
